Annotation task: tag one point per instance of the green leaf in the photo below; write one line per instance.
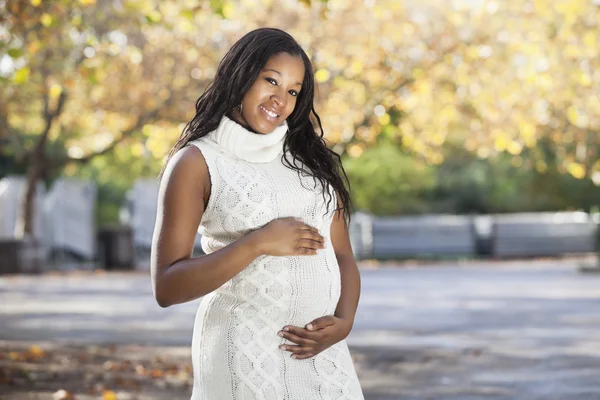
(217, 7)
(15, 52)
(187, 14)
(153, 17)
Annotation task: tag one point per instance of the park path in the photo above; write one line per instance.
(500, 330)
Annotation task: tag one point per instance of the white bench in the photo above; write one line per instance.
(419, 236)
(139, 212)
(70, 217)
(12, 195)
(543, 234)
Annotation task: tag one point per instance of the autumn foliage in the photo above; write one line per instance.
(512, 79)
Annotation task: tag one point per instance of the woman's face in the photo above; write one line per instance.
(272, 97)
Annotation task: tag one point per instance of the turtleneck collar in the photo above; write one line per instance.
(247, 145)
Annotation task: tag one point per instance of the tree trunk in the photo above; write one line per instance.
(25, 222)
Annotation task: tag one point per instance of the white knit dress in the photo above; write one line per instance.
(235, 347)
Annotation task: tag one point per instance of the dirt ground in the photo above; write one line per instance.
(143, 373)
(501, 331)
(50, 371)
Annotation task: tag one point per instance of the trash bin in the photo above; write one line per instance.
(9, 256)
(18, 256)
(115, 248)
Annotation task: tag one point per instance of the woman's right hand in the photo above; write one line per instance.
(289, 237)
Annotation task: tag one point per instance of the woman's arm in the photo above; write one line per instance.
(183, 194)
(350, 277)
(324, 332)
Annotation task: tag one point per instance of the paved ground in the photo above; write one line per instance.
(502, 331)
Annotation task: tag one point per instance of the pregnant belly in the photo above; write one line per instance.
(286, 290)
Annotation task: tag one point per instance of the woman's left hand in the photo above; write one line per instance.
(317, 336)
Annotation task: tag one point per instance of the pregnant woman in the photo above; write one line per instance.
(280, 286)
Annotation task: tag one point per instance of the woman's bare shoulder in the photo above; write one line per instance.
(186, 170)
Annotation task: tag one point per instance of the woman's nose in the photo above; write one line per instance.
(279, 100)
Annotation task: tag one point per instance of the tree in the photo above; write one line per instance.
(82, 79)
(493, 77)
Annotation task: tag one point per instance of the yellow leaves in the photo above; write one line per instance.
(160, 139)
(373, 76)
(448, 114)
(21, 76)
(153, 16)
(76, 20)
(590, 40)
(228, 9)
(584, 79)
(137, 149)
(438, 138)
(418, 73)
(37, 351)
(577, 170)
(571, 9)
(483, 152)
(471, 144)
(541, 166)
(355, 150)
(322, 75)
(34, 353)
(463, 76)
(55, 91)
(572, 51)
(572, 115)
(356, 67)
(577, 117)
(384, 119)
(544, 81)
(408, 141)
(514, 147)
(435, 158)
(36, 3)
(527, 129)
(109, 395)
(423, 87)
(530, 142)
(46, 19)
(472, 52)
(87, 2)
(33, 47)
(501, 143)
(456, 18)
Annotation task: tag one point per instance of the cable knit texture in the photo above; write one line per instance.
(235, 347)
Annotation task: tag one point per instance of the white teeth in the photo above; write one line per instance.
(271, 113)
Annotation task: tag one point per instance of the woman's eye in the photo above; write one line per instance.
(293, 93)
(271, 81)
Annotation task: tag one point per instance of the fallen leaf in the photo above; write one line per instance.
(37, 351)
(157, 373)
(109, 395)
(140, 369)
(63, 395)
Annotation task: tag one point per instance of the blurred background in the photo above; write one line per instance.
(469, 129)
(457, 107)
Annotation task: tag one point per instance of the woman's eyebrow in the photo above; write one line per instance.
(278, 73)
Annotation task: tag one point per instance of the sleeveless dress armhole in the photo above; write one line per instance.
(210, 157)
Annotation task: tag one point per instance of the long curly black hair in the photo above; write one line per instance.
(235, 75)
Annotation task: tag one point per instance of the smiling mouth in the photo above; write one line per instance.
(270, 113)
